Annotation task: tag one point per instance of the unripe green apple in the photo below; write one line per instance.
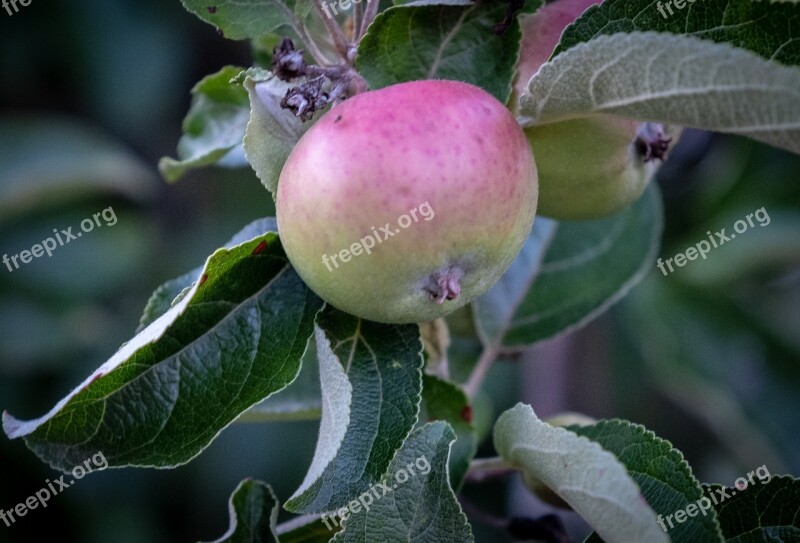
(592, 166)
(405, 203)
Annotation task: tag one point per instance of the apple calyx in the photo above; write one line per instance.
(445, 284)
(651, 142)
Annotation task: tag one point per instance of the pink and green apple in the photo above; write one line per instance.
(405, 203)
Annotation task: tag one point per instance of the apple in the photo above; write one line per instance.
(405, 203)
(589, 167)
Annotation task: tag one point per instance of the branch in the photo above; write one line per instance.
(482, 469)
(338, 37)
(369, 15)
(478, 375)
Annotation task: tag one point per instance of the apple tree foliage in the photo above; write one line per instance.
(241, 337)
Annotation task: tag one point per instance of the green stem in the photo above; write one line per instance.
(487, 358)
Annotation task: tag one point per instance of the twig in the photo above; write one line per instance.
(338, 37)
(370, 13)
(482, 469)
(303, 34)
(478, 375)
(356, 20)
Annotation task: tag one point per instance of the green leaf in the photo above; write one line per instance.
(662, 473)
(371, 377)
(164, 296)
(236, 337)
(307, 530)
(590, 479)
(442, 400)
(671, 79)
(254, 511)
(240, 20)
(301, 400)
(588, 266)
(272, 132)
(762, 512)
(46, 160)
(214, 127)
(441, 41)
(422, 508)
(769, 29)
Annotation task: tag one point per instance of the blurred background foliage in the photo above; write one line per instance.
(93, 94)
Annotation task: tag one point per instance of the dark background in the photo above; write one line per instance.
(93, 94)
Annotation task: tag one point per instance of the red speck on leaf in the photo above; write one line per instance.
(95, 378)
(203, 280)
(260, 248)
(466, 414)
(212, 9)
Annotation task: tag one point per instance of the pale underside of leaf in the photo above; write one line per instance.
(671, 79)
(590, 479)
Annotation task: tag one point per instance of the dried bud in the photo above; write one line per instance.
(287, 62)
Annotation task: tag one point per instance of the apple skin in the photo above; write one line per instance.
(588, 167)
(380, 154)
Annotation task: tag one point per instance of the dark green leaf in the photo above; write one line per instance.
(770, 29)
(441, 41)
(588, 266)
(371, 378)
(763, 511)
(235, 338)
(662, 473)
(164, 296)
(254, 511)
(239, 20)
(442, 400)
(299, 401)
(420, 509)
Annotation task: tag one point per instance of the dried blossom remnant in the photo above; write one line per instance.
(307, 99)
(287, 62)
(651, 142)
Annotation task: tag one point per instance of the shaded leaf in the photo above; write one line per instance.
(588, 266)
(254, 511)
(760, 512)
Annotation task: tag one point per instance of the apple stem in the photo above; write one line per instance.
(445, 284)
